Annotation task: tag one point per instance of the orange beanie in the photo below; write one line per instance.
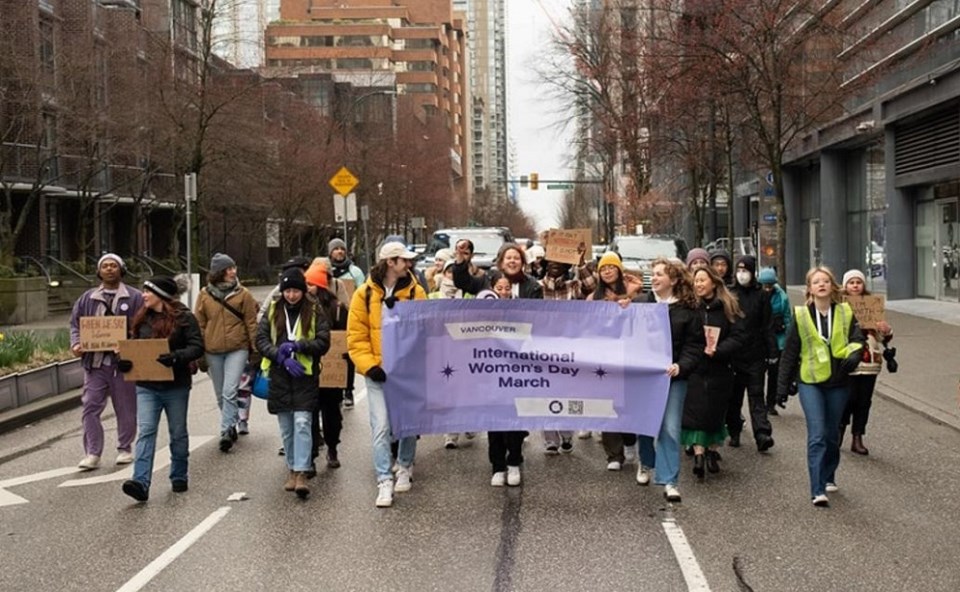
(317, 275)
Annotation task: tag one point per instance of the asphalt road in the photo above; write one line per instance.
(571, 526)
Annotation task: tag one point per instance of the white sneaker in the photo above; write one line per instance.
(124, 458)
(630, 454)
(614, 465)
(821, 501)
(499, 479)
(450, 441)
(385, 493)
(671, 493)
(404, 477)
(832, 488)
(643, 475)
(89, 462)
(513, 476)
(583, 434)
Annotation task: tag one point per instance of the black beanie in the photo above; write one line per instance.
(293, 278)
(298, 262)
(162, 286)
(749, 262)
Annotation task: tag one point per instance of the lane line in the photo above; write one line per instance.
(692, 574)
(39, 477)
(177, 549)
(162, 457)
(10, 499)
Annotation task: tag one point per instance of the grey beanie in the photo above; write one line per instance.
(221, 262)
(336, 243)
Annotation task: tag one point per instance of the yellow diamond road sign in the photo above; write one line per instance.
(344, 181)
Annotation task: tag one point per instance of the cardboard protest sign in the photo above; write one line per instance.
(143, 354)
(568, 246)
(349, 285)
(334, 374)
(713, 337)
(102, 333)
(869, 310)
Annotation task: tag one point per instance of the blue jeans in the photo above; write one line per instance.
(150, 403)
(380, 431)
(666, 456)
(297, 441)
(225, 371)
(823, 410)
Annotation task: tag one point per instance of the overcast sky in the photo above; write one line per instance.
(532, 118)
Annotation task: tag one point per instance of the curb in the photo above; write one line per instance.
(911, 403)
(21, 416)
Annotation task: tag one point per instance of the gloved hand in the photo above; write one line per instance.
(167, 360)
(124, 366)
(286, 349)
(390, 301)
(294, 368)
(377, 374)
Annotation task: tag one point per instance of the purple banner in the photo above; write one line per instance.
(496, 365)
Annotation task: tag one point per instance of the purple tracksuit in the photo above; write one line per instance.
(101, 378)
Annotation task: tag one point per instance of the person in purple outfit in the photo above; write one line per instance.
(101, 380)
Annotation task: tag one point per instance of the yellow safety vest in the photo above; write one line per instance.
(301, 357)
(815, 356)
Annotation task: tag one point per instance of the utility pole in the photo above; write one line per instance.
(189, 195)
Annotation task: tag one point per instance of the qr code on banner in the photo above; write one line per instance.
(575, 407)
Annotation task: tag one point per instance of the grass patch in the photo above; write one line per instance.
(22, 350)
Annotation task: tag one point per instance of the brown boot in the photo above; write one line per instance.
(857, 446)
(291, 483)
(301, 488)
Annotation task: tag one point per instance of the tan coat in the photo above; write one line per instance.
(223, 331)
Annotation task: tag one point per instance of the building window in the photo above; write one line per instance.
(420, 44)
(354, 64)
(185, 23)
(48, 47)
(421, 88)
(317, 93)
(420, 66)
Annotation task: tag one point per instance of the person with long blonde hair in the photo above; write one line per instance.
(823, 346)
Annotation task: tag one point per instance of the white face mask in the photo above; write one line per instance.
(744, 277)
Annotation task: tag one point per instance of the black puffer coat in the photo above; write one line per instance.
(710, 385)
(286, 392)
(471, 284)
(757, 325)
(186, 343)
(686, 331)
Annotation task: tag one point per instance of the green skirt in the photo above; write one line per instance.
(701, 438)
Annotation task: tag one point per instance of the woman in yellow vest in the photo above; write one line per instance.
(292, 335)
(825, 342)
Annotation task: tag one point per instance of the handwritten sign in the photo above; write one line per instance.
(143, 353)
(334, 374)
(869, 310)
(102, 333)
(713, 337)
(568, 246)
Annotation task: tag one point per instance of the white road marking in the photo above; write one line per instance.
(10, 499)
(177, 549)
(162, 461)
(39, 477)
(239, 496)
(692, 574)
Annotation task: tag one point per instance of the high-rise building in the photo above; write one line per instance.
(238, 27)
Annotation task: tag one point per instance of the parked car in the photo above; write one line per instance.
(598, 251)
(743, 245)
(638, 252)
(486, 243)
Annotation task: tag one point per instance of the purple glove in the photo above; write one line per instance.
(294, 368)
(286, 350)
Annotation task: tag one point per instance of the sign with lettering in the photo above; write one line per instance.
(568, 246)
(712, 335)
(334, 374)
(99, 334)
(143, 354)
(869, 310)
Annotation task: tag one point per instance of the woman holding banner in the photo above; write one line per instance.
(864, 378)
(505, 448)
(672, 284)
(711, 384)
(615, 286)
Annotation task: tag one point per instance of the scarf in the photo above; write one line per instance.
(221, 290)
(669, 300)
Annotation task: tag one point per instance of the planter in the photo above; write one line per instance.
(8, 392)
(22, 300)
(69, 375)
(37, 384)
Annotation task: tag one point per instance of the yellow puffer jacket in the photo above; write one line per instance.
(364, 341)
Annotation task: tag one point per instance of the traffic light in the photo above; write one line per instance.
(534, 181)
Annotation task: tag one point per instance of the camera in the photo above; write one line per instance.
(890, 355)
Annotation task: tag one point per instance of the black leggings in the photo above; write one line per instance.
(329, 410)
(858, 405)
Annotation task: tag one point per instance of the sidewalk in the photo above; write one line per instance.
(20, 416)
(926, 335)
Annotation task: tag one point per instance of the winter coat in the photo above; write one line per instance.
(364, 341)
(474, 284)
(224, 331)
(711, 384)
(288, 393)
(634, 287)
(687, 338)
(186, 343)
(93, 303)
(564, 289)
(757, 324)
(348, 271)
(839, 369)
(781, 317)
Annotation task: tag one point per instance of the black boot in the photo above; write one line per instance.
(698, 465)
(735, 440)
(712, 457)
